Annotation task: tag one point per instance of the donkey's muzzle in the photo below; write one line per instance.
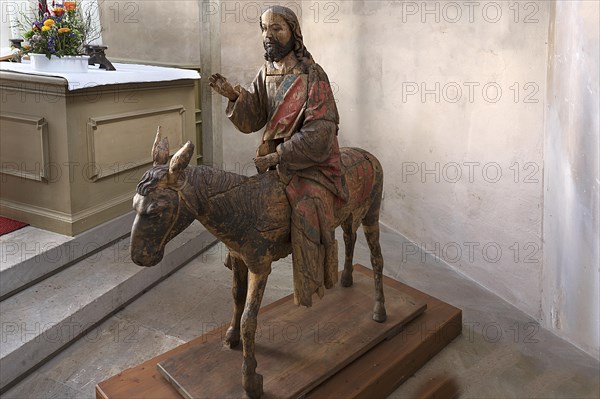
(142, 258)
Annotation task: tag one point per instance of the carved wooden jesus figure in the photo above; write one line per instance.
(291, 98)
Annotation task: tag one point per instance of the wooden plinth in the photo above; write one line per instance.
(297, 348)
(375, 374)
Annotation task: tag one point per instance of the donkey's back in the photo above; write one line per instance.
(263, 196)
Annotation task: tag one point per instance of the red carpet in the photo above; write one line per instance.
(8, 225)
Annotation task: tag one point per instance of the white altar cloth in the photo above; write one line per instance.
(125, 73)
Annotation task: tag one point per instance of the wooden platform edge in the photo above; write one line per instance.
(173, 381)
(384, 368)
(376, 374)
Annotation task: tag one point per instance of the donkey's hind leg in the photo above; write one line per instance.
(349, 242)
(239, 290)
(372, 235)
(371, 228)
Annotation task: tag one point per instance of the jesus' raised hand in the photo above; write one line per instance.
(220, 84)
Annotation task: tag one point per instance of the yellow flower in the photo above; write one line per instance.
(64, 30)
(45, 28)
(49, 22)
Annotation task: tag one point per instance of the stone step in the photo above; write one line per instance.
(41, 320)
(30, 254)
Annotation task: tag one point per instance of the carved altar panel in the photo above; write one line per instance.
(24, 146)
(114, 141)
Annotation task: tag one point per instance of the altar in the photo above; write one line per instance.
(73, 146)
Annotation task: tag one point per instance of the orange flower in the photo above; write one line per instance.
(59, 11)
(45, 28)
(70, 5)
(64, 30)
(49, 22)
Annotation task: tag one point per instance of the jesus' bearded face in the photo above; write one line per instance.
(277, 36)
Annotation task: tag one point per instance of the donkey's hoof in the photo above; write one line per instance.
(232, 337)
(347, 280)
(253, 386)
(379, 314)
(379, 318)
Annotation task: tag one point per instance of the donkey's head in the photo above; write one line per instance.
(163, 209)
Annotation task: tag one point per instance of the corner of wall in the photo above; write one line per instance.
(571, 237)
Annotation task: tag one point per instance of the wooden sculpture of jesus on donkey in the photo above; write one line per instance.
(305, 188)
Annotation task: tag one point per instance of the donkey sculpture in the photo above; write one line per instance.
(251, 216)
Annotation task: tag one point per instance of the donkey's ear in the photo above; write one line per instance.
(181, 159)
(160, 149)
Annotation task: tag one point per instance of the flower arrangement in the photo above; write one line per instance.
(61, 30)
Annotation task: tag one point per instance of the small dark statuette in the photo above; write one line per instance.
(16, 57)
(97, 56)
(306, 187)
(15, 43)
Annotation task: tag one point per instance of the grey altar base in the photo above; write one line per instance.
(71, 159)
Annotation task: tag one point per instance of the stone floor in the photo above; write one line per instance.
(502, 353)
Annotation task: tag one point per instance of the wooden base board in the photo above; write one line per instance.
(375, 374)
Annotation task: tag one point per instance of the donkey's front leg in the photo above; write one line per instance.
(252, 382)
(239, 290)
